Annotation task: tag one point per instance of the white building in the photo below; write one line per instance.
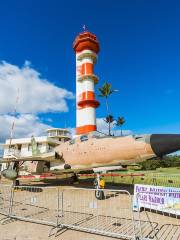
(22, 147)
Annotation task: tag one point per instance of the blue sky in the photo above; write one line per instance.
(140, 55)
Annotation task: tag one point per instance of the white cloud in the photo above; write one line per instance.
(72, 131)
(102, 126)
(26, 125)
(35, 93)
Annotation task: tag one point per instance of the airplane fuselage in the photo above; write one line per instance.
(93, 151)
(88, 152)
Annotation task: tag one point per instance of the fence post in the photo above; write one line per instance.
(62, 206)
(11, 197)
(58, 203)
(139, 217)
(133, 219)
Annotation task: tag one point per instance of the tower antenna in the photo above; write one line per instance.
(13, 123)
(84, 28)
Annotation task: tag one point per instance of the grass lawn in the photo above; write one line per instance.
(169, 177)
(162, 177)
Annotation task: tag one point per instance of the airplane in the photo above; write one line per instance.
(93, 151)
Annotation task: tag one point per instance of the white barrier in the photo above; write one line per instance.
(5, 199)
(35, 204)
(77, 208)
(110, 217)
(162, 220)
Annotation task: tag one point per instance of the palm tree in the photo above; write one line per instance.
(106, 91)
(120, 122)
(109, 119)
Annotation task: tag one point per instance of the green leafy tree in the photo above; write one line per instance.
(105, 91)
(120, 122)
(109, 120)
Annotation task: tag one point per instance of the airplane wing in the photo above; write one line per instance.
(48, 157)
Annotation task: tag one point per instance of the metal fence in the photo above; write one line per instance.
(5, 199)
(36, 204)
(78, 208)
(158, 221)
(111, 217)
(167, 180)
(156, 179)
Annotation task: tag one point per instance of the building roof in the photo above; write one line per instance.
(40, 139)
(59, 129)
(25, 140)
(86, 40)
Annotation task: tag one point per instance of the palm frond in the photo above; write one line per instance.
(109, 119)
(106, 90)
(120, 121)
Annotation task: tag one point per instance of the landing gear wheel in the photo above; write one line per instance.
(99, 194)
(17, 183)
(99, 185)
(75, 178)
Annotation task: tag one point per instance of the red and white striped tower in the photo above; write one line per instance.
(86, 48)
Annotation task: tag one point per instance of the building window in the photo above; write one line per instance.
(84, 138)
(50, 148)
(29, 147)
(19, 147)
(71, 141)
(11, 149)
(39, 145)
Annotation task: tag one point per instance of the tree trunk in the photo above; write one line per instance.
(109, 124)
(121, 131)
(107, 107)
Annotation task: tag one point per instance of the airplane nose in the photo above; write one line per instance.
(163, 144)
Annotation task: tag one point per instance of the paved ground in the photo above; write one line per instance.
(81, 209)
(25, 202)
(18, 230)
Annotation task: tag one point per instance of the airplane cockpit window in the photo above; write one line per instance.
(71, 141)
(142, 138)
(84, 138)
(137, 137)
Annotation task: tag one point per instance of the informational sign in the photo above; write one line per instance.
(163, 199)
